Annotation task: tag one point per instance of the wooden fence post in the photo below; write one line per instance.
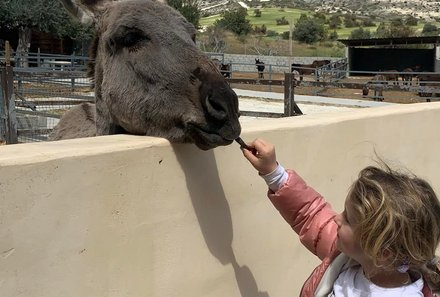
(7, 108)
(290, 107)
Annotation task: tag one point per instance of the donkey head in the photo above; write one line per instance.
(151, 79)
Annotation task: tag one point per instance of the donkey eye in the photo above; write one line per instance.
(133, 38)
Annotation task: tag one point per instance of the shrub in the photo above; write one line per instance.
(282, 21)
(271, 33)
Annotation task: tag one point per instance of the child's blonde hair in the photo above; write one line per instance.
(398, 213)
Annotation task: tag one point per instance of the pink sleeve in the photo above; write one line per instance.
(307, 213)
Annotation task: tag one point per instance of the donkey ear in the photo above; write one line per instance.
(87, 11)
(79, 10)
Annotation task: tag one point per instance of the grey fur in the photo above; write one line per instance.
(151, 79)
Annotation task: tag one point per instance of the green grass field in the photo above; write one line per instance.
(269, 16)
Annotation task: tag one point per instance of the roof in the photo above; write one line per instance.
(391, 41)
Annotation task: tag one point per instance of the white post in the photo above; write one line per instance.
(291, 27)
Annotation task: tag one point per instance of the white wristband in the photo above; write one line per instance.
(276, 178)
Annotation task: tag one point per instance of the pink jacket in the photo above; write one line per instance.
(312, 218)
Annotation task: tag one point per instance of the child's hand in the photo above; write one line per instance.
(262, 156)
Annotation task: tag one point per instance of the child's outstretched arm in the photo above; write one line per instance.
(300, 205)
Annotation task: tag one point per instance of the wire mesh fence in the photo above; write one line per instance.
(42, 88)
(43, 96)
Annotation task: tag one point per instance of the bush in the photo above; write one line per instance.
(430, 29)
(282, 21)
(257, 13)
(260, 30)
(350, 21)
(411, 21)
(368, 23)
(360, 33)
(333, 36)
(271, 33)
(334, 22)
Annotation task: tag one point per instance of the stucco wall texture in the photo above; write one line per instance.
(129, 216)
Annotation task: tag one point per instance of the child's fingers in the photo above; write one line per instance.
(249, 155)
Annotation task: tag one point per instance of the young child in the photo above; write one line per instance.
(383, 243)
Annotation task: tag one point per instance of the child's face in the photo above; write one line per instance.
(346, 242)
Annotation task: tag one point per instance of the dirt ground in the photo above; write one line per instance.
(389, 96)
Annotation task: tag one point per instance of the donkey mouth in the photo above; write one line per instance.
(205, 139)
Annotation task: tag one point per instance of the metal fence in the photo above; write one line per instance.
(33, 98)
(36, 96)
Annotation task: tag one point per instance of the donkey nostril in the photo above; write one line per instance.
(196, 72)
(215, 108)
(215, 104)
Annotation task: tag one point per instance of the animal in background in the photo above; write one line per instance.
(308, 69)
(391, 75)
(260, 67)
(225, 70)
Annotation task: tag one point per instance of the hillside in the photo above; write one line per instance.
(428, 10)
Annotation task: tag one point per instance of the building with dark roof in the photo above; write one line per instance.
(381, 54)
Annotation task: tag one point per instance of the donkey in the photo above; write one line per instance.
(225, 70)
(391, 75)
(377, 84)
(150, 78)
(260, 67)
(307, 69)
(407, 77)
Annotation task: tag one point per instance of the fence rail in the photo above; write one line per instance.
(33, 99)
(47, 61)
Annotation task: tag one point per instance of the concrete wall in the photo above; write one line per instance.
(135, 216)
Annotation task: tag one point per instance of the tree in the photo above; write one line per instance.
(333, 36)
(411, 21)
(320, 16)
(214, 40)
(257, 13)
(235, 21)
(335, 22)
(430, 30)
(368, 23)
(189, 9)
(401, 30)
(395, 29)
(350, 21)
(382, 30)
(308, 30)
(43, 15)
(360, 33)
